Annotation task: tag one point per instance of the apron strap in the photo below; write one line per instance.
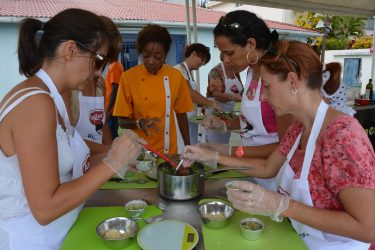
(310, 148)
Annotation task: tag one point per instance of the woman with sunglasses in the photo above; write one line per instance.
(243, 38)
(42, 186)
(324, 165)
(149, 94)
(196, 55)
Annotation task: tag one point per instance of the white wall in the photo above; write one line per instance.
(340, 55)
(280, 15)
(9, 75)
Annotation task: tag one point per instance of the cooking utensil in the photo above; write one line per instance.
(184, 187)
(178, 166)
(150, 219)
(163, 156)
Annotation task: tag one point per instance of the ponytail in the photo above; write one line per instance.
(28, 53)
(333, 83)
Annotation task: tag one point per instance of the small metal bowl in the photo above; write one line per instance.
(251, 228)
(215, 214)
(117, 232)
(135, 208)
(145, 165)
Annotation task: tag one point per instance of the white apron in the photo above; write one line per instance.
(299, 190)
(91, 117)
(51, 236)
(231, 86)
(193, 127)
(251, 113)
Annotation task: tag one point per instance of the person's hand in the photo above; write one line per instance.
(124, 151)
(223, 149)
(201, 154)
(146, 124)
(216, 106)
(214, 122)
(235, 97)
(255, 199)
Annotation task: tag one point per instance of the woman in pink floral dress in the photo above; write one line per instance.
(324, 165)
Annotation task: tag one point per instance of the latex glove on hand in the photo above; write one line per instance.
(146, 124)
(213, 122)
(201, 154)
(255, 199)
(125, 150)
(223, 149)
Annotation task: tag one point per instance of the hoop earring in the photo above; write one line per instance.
(294, 91)
(247, 57)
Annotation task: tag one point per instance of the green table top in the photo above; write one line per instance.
(82, 235)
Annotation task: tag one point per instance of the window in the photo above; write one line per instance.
(352, 72)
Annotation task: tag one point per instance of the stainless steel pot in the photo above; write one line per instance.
(186, 187)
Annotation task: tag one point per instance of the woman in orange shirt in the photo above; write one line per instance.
(150, 93)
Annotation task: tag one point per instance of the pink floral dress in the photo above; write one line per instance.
(343, 157)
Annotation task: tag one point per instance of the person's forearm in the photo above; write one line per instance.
(258, 165)
(127, 123)
(97, 148)
(184, 127)
(71, 194)
(107, 136)
(222, 97)
(331, 221)
(112, 97)
(200, 99)
(263, 151)
(233, 124)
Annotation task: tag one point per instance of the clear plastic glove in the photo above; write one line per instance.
(223, 149)
(148, 124)
(255, 199)
(201, 154)
(124, 151)
(213, 122)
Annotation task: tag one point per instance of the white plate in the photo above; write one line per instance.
(168, 235)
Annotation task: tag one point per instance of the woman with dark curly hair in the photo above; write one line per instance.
(149, 94)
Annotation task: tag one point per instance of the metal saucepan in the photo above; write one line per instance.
(184, 187)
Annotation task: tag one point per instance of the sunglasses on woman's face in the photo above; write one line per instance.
(100, 60)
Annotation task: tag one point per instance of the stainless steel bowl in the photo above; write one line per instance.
(251, 228)
(117, 232)
(145, 165)
(135, 208)
(215, 214)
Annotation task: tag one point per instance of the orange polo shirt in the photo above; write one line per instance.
(142, 95)
(113, 76)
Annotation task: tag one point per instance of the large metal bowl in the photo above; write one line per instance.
(117, 232)
(215, 214)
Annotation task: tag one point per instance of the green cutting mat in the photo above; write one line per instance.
(116, 185)
(280, 236)
(82, 236)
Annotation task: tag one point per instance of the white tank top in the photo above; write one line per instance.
(13, 201)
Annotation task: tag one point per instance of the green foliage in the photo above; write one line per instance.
(364, 42)
(344, 29)
(336, 44)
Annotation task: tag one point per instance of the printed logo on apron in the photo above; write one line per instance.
(96, 118)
